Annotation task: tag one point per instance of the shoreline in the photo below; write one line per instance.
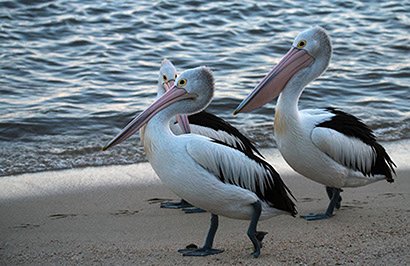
(111, 215)
(144, 160)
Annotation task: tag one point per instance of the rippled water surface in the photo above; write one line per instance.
(74, 72)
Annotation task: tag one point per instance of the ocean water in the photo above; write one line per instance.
(73, 72)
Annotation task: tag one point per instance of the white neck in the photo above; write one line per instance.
(288, 100)
(157, 133)
(158, 126)
(287, 119)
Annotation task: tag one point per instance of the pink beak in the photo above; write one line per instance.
(275, 81)
(169, 84)
(174, 94)
(182, 120)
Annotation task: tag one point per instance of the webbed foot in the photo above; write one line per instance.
(317, 216)
(175, 205)
(193, 210)
(199, 252)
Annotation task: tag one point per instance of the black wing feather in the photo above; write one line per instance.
(351, 126)
(276, 193)
(209, 120)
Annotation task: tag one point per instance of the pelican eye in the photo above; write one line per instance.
(301, 44)
(182, 83)
(164, 77)
(175, 77)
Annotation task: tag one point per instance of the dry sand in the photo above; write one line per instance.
(106, 215)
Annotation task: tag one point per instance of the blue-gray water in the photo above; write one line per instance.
(73, 72)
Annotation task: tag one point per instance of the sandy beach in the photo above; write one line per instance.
(111, 215)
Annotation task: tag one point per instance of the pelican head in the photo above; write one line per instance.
(167, 75)
(306, 60)
(191, 93)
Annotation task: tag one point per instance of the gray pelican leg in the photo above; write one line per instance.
(255, 236)
(335, 200)
(207, 248)
(329, 191)
(260, 235)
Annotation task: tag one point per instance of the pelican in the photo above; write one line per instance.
(206, 172)
(327, 145)
(202, 123)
